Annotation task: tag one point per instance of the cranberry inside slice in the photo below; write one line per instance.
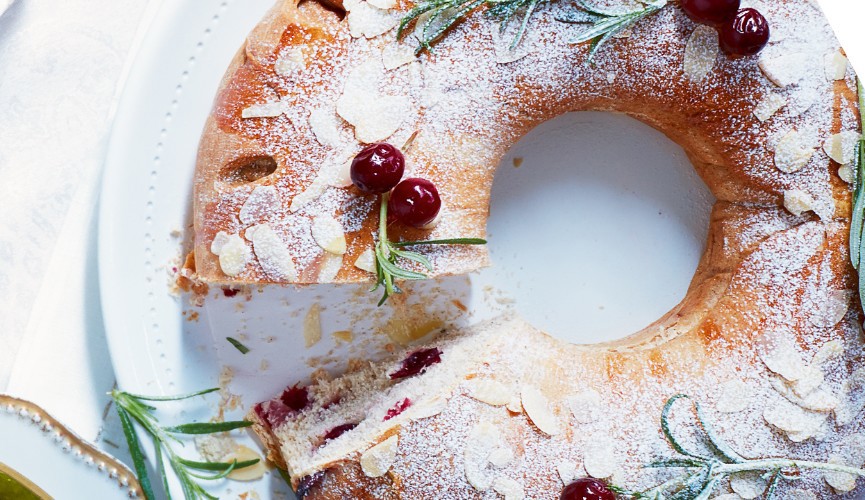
(295, 397)
(338, 431)
(274, 413)
(396, 409)
(417, 362)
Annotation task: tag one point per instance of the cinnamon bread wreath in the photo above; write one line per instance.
(767, 338)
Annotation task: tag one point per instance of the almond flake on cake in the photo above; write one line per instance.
(599, 458)
(232, 252)
(489, 391)
(568, 471)
(835, 65)
(366, 261)
(367, 20)
(769, 105)
(377, 461)
(272, 253)
(797, 202)
(331, 264)
(324, 123)
(290, 61)
(375, 116)
(537, 407)
(329, 234)
(701, 52)
(586, 406)
(259, 205)
(841, 147)
(264, 110)
(509, 488)
(794, 151)
(748, 485)
(482, 440)
(734, 396)
(778, 351)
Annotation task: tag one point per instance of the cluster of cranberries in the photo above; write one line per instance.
(741, 32)
(587, 489)
(378, 168)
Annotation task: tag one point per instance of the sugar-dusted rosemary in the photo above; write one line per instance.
(434, 17)
(857, 218)
(388, 252)
(136, 408)
(703, 471)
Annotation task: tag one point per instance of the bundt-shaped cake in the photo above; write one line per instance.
(766, 339)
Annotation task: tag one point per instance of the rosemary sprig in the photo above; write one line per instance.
(703, 472)
(387, 252)
(607, 24)
(132, 408)
(857, 252)
(237, 345)
(437, 16)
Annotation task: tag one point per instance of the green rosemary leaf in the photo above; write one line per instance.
(694, 485)
(530, 9)
(708, 488)
(160, 463)
(397, 272)
(228, 470)
(665, 428)
(609, 23)
(450, 241)
(578, 17)
(412, 16)
(414, 257)
(172, 398)
(858, 215)
(676, 463)
(719, 447)
(217, 466)
(138, 459)
(237, 345)
(207, 427)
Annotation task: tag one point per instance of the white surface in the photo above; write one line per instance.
(56, 99)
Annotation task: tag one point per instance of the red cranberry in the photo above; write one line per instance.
(338, 431)
(746, 34)
(377, 168)
(711, 12)
(587, 489)
(416, 362)
(296, 398)
(308, 483)
(229, 292)
(273, 413)
(396, 409)
(415, 202)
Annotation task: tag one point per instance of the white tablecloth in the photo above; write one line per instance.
(60, 64)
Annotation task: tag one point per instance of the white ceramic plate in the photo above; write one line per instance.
(594, 236)
(55, 460)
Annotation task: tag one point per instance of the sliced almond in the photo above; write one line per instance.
(232, 251)
(835, 65)
(395, 55)
(272, 253)
(797, 202)
(812, 377)
(329, 234)
(701, 51)
(600, 458)
(501, 457)
(586, 406)
(827, 352)
(366, 20)
(375, 117)
(427, 409)
(847, 174)
(794, 151)
(290, 61)
(503, 38)
(778, 351)
(383, 4)
(841, 147)
(264, 110)
(366, 261)
(567, 470)
(748, 485)
(734, 396)
(537, 407)
(841, 482)
(377, 461)
(769, 105)
(817, 400)
(831, 309)
(489, 391)
(261, 202)
(515, 405)
(325, 124)
(343, 336)
(509, 488)
(251, 473)
(795, 421)
(784, 69)
(480, 443)
(312, 326)
(330, 267)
